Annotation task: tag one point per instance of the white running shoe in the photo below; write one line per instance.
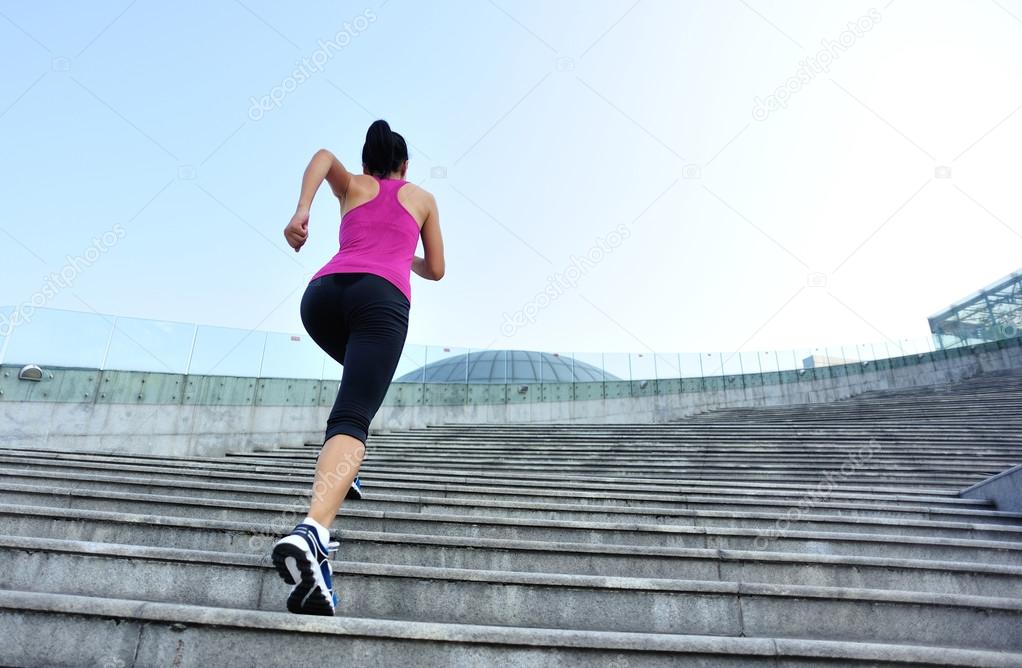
(302, 560)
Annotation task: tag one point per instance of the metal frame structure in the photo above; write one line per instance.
(991, 314)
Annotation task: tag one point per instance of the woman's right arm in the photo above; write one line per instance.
(323, 166)
(432, 266)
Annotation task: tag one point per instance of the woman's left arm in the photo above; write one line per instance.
(323, 166)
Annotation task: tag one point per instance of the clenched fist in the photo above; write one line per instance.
(297, 231)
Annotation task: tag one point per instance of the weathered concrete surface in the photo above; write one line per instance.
(819, 534)
(1004, 489)
(118, 411)
(53, 630)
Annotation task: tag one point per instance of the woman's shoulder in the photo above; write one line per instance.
(415, 192)
(362, 183)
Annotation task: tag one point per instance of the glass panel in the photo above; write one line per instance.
(642, 365)
(291, 356)
(925, 344)
(865, 352)
(688, 365)
(770, 365)
(411, 368)
(792, 360)
(748, 363)
(835, 360)
(818, 358)
(522, 367)
(711, 365)
(447, 364)
(224, 351)
(58, 338)
(485, 366)
(558, 368)
(69, 338)
(902, 347)
(588, 367)
(768, 361)
(617, 366)
(666, 366)
(149, 345)
(6, 326)
(795, 364)
(730, 364)
(332, 369)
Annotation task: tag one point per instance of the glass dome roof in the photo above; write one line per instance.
(506, 366)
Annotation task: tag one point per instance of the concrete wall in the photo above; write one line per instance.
(1004, 489)
(817, 385)
(135, 412)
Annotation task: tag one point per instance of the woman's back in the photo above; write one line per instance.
(379, 232)
(362, 188)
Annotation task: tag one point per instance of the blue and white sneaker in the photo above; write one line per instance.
(302, 560)
(355, 491)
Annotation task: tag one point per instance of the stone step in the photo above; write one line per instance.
(947, 495)
(966, 545)
(808, 497)
(226, 495)
(280, 471)
(582, 559)
(557, 601)
(661, 475)
(837, 440)
(566, 465)
(632, 464)
(773, 511)
(55, 629)
(734, 537)
(601, 485)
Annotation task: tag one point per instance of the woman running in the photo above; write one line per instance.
(356, 309)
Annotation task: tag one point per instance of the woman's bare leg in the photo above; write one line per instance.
(337, 466)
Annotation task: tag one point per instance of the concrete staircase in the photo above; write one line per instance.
(823, 534)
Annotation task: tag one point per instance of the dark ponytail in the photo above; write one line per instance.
(384, 150)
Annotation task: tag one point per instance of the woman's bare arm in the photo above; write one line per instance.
(432, 266)
(323, 166)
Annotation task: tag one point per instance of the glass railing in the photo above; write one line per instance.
(428, 374)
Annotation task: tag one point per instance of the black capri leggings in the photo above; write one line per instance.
(360, 320)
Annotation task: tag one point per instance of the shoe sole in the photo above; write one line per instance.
(307, 597)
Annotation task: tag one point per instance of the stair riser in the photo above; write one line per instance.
(545, 606)
(45, 640)
(282, 519)
(259, 491)
(290, 507)
(480, 557)
(301, 476)
(591, 495)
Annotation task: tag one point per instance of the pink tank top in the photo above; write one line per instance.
(378, 237)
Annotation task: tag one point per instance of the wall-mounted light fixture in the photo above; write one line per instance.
(30, 372)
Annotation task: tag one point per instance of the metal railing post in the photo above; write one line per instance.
(191, 350)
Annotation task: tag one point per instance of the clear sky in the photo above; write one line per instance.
(614, 175)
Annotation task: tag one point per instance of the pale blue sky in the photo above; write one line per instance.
(555, 124)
